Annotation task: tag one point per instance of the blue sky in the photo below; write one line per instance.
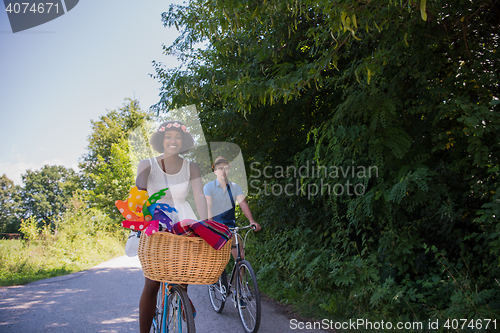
(58, 76)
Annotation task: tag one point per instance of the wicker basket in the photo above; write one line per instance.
(171, 258)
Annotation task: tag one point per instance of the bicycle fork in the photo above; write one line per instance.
(232, 283)
(223, 290)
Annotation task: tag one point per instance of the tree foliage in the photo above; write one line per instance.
(409, 87)
(47, 191)
(106, 168)
(9, 205)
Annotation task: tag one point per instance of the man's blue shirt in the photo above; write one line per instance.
(221, 202)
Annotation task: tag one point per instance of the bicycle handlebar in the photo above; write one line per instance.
(245, 227)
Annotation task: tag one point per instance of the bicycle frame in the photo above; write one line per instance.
(236, 260)
(246, 291)
(165, 292)
(163, 288)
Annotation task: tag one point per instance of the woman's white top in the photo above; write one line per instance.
(178, 185)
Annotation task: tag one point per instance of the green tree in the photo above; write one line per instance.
(106, 168)
(9, 205)
(47, 191)
(406, 87)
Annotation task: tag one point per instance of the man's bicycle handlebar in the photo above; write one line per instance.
(245, 227)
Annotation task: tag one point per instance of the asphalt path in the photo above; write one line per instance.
(105, 298)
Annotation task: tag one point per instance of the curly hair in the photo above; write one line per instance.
(158, 136)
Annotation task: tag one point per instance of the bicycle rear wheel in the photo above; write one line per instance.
(248, 298)
(158, 317)
(217, 293)
(179, 313)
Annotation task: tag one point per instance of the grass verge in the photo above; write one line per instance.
(22, 262)
(81, 238)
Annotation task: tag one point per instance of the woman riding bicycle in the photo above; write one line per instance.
(171, 171)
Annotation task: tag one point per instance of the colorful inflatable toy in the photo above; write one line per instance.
(144, 213)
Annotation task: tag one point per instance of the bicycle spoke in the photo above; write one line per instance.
(217, 293)
(158, 316)
(179, 312)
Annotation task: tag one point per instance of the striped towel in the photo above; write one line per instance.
(214, 233)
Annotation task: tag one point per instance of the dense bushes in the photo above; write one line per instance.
(409, 88)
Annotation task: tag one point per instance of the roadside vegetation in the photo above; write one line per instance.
(66, 221)
(409, 88)
(406, 89)
(83, 237)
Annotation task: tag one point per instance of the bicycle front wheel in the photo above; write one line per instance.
(248, 298)
(179, 313)
(217, 292)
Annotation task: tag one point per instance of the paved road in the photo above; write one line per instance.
(105, 299)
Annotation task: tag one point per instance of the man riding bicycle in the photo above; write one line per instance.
(222, 194)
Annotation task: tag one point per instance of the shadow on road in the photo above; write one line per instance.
(102, 299)
(106, 299)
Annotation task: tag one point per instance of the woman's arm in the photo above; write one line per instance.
(143, 170)
(199, 197)
(209, 206)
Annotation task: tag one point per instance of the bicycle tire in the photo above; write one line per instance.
(218, 293)
(177, 322)
(248, 298)
(158, 316)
